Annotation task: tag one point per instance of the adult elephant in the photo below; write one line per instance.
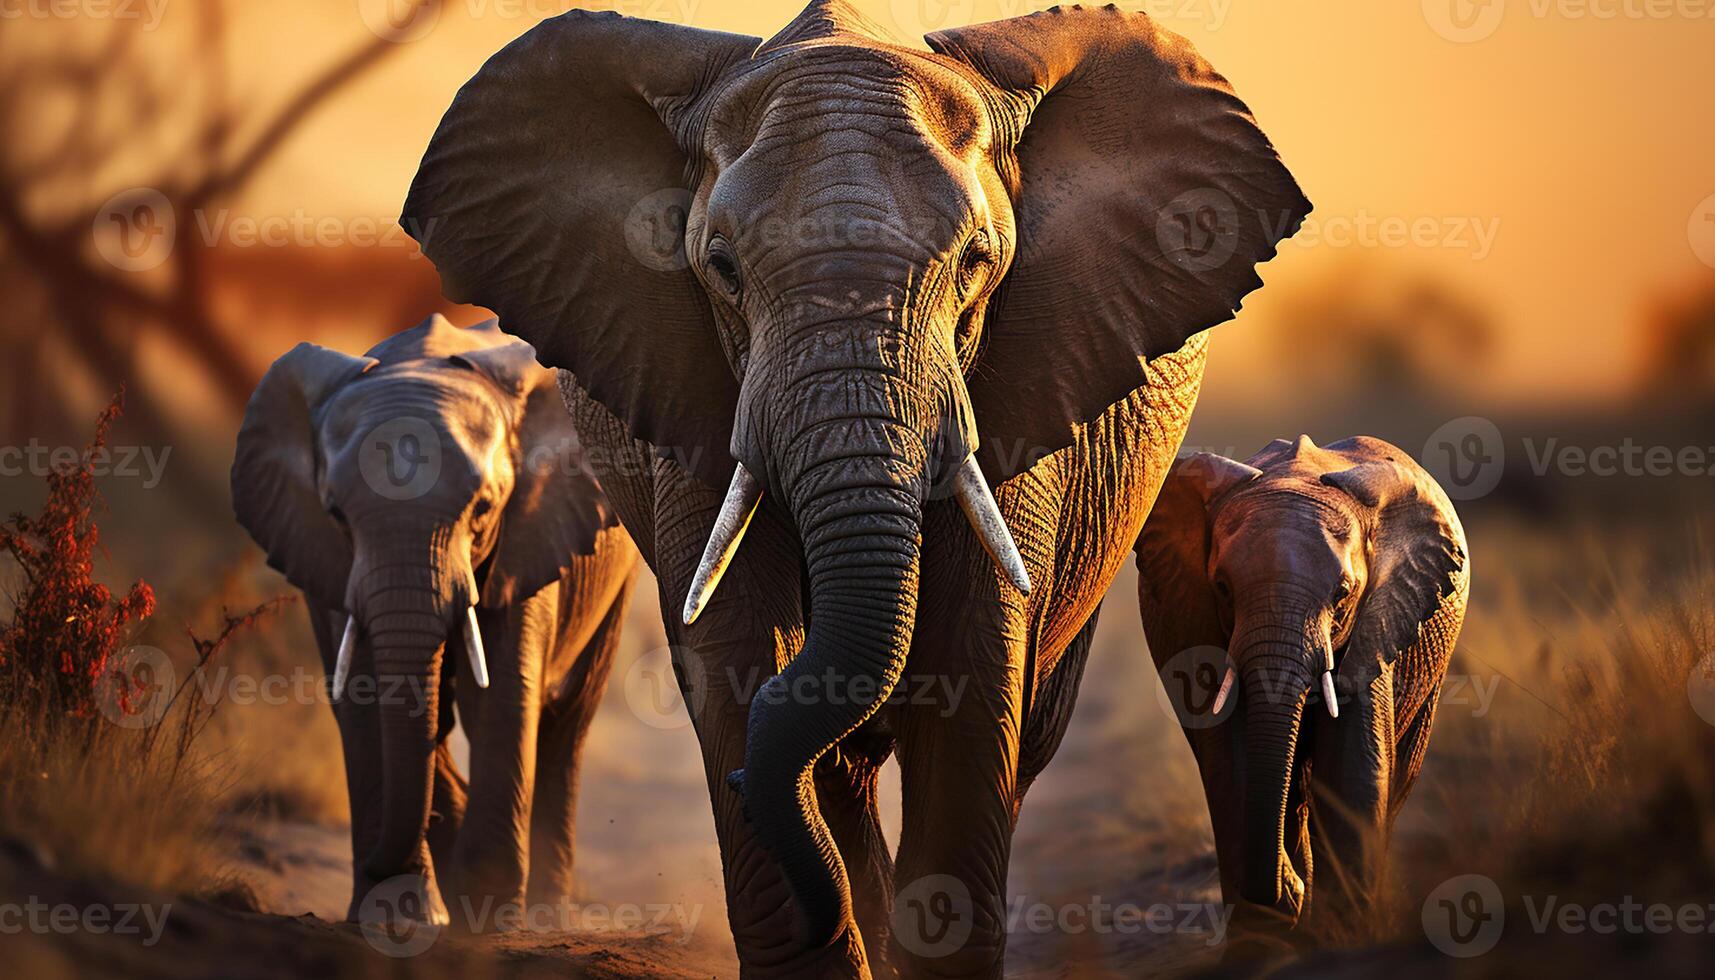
(887, 271)
(430, 500)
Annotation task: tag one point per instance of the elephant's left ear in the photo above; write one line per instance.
(557, 509)
(510, 364)
(1144, 196)
(1417, 554)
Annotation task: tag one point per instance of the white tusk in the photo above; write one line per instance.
(473, 646)
(342, 664)
(742, 496)
(1328, 694)
(1226, 689)
(984, 515)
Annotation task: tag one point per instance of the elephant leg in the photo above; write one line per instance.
(1220, 762)
(360, 740)
(958, 757)
(1051, 710)
(565, 723)
(451, 795)
(491, 858)
(1352, 786)
(847, 783)
(746, 634)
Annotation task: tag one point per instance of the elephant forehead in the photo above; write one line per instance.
(453, 404)
(800, 92)
(1285, 514)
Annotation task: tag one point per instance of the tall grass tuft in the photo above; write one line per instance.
(100, 770)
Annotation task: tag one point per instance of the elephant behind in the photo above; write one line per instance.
(430, 500)
(1302, 607)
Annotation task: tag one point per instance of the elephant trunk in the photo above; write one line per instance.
(407, 607)
(860, 528)
(1272, 651)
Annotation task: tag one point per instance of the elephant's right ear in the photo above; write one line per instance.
(555, 193)
(274, 472)
(1177, 598)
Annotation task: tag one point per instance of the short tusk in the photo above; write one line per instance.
(473, 646)
(1226, 689)
(742, 496)
(1328, 694)
(984, 515)
(342, 664)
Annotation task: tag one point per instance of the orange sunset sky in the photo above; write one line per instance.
(1559, 167)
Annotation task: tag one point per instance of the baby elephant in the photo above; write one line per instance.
(1330, 583)
(430, 501)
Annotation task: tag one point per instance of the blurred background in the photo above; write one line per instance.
(1510, 273)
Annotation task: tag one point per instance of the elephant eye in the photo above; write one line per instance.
(973, 260)
(725, 266)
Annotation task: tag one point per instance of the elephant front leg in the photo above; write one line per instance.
(1351, 782)
(564, 725)
(491, 860)
(847, 788)
(959, 742)
(360, 740)
(720, 662)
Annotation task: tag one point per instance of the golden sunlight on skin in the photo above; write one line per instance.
(1480, 162)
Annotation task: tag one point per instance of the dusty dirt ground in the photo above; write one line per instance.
(1102, 827)
(1107, 824)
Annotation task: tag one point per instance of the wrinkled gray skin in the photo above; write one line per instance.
(847, 264)
(437, 472)
(1298, 554)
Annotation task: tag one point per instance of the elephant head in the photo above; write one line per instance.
(405, 488)
(1313, 562)
(881, 264)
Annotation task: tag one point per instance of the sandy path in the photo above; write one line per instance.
(1116, 819)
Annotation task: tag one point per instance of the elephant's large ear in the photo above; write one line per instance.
(274, 491)
(554, 193)
(1176, 597)
(1144, 196)
(557, 509)
(1418, 556)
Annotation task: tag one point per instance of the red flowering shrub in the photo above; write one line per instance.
(60, 644)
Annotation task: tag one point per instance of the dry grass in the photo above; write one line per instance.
(102, 765)
(1589, 772)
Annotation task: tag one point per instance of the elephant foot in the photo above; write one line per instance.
(1262, 932)
(842, 959)
(402, 915)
